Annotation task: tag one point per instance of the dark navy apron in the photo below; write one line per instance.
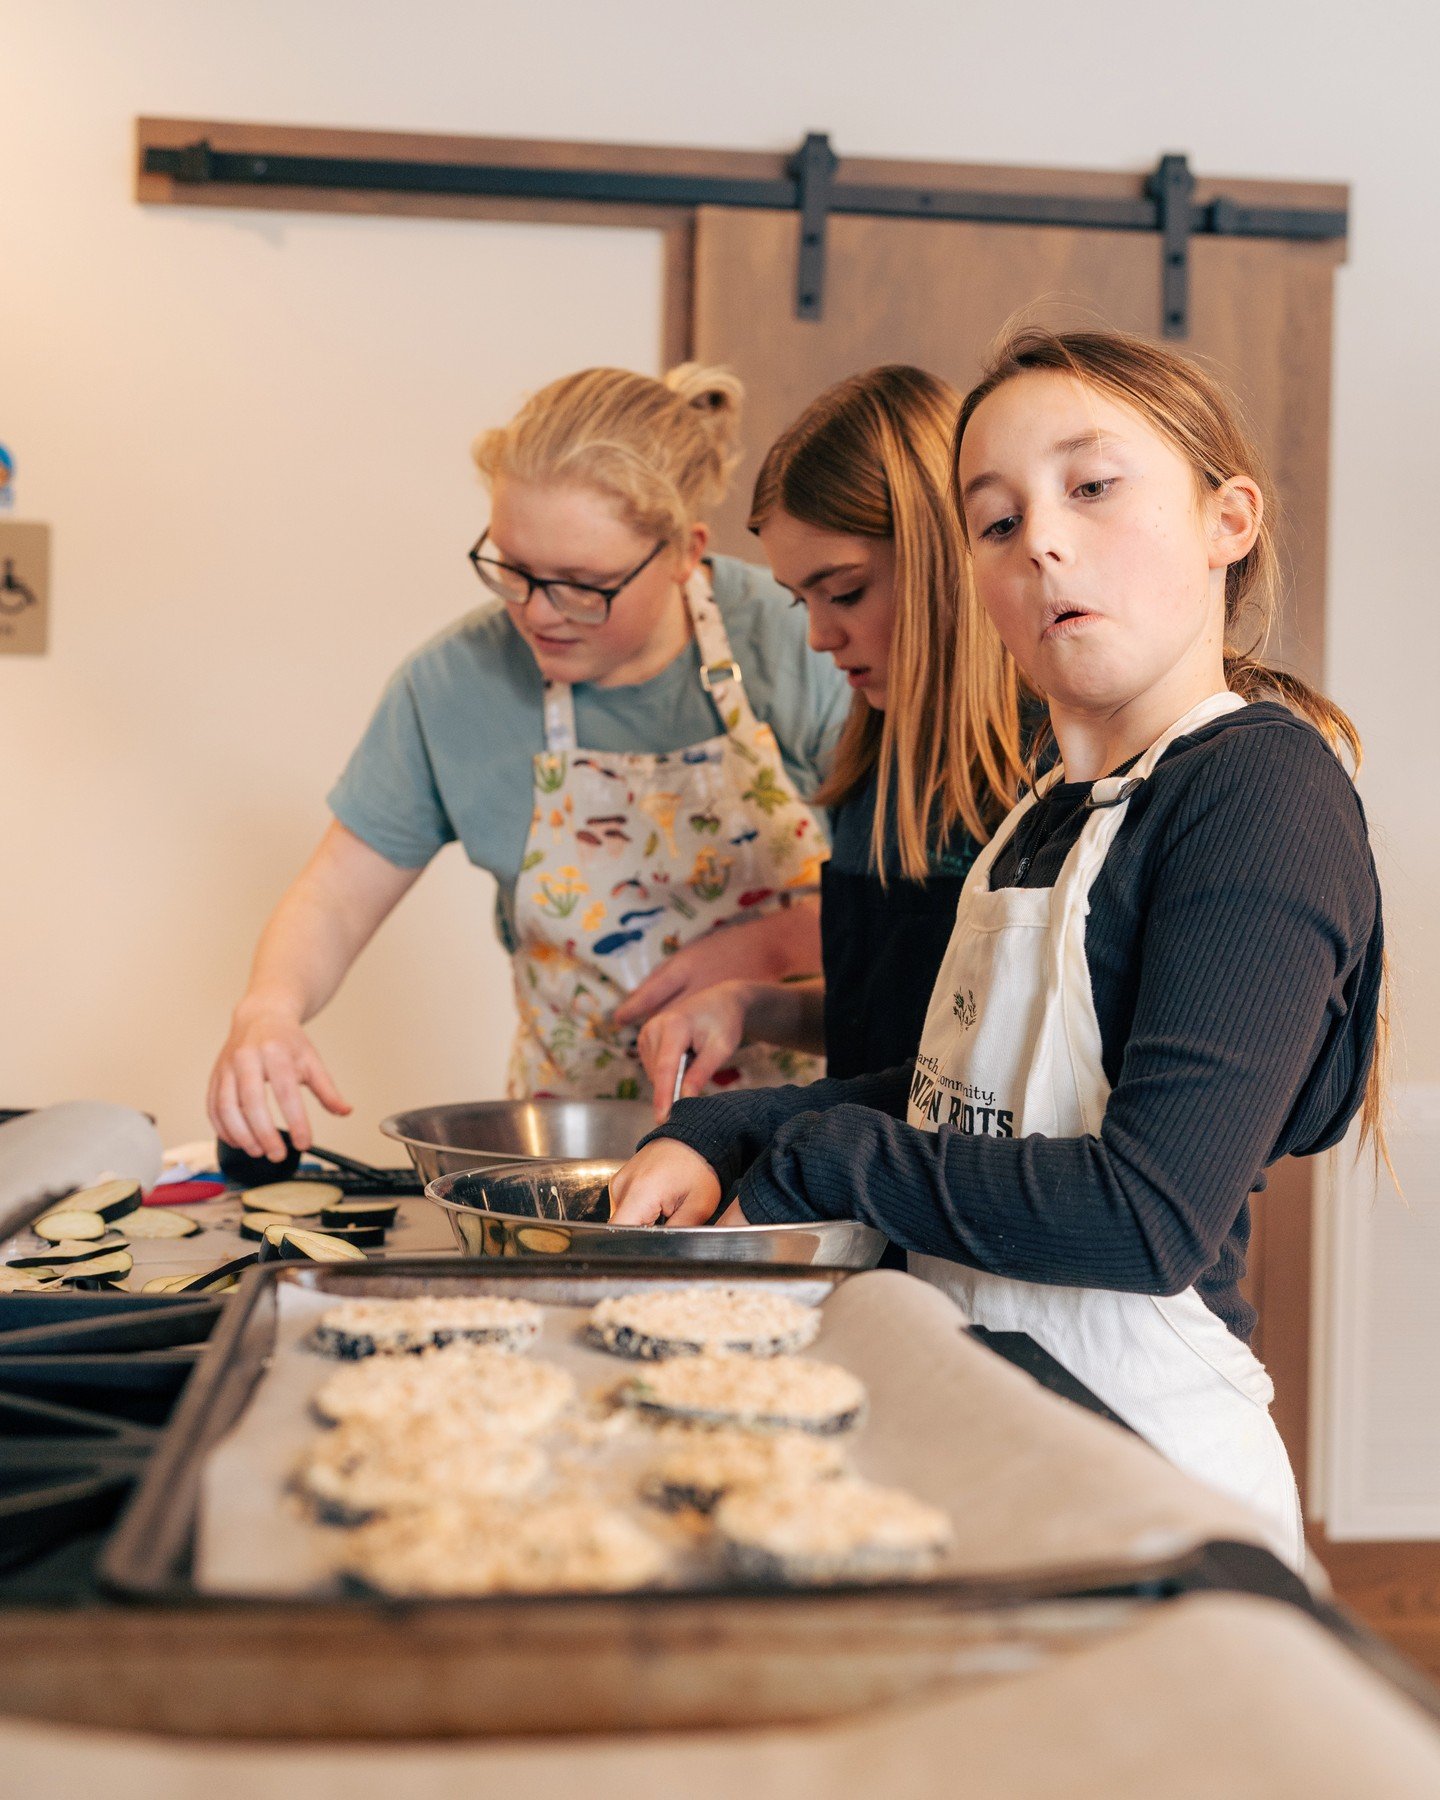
(881, 948)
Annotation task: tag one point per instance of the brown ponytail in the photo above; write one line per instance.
(1195, 415)
(871, 458)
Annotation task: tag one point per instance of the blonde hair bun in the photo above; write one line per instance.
(717, 395)
(663, 450)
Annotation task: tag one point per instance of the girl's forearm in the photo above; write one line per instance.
(325, 919)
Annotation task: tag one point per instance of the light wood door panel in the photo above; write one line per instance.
(937, 293)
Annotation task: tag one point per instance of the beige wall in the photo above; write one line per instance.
(249, 433)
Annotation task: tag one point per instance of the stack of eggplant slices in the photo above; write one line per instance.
(452, 1459)
(85, 1242)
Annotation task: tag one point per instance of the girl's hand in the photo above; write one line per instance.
(267, 1050)
(777, 946)
(710, 1024)
(664, 1182)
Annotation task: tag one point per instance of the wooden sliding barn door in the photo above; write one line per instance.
(936, 293)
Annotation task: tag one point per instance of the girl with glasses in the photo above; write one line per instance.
(622, 735)
(1166, 969)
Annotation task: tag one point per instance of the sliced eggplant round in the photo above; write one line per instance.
(56, 1226)
(289, 1244)
(111, 1199)
(364, 1237)
(71, 1250)
(156, 1222)
(255, 1224)
(21, 1281)
(361, 1212)
(164, 1284)
(214, 1280)
(296, 1199)
(99, 1271)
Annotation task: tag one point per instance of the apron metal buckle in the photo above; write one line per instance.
(713, 675)
(1108, 793)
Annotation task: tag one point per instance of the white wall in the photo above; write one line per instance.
(249, 432)
(1377, 1457)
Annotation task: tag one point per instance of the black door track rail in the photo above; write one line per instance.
(809, 188)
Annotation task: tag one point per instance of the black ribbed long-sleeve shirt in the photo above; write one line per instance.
(1234, 944)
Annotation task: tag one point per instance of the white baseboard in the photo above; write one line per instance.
(1375, 1440)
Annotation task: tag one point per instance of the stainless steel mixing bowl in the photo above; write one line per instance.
(563, 1209)
(493, 1134)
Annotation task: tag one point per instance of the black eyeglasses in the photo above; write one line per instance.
(577, 601)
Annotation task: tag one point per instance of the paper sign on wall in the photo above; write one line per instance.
(24, 588)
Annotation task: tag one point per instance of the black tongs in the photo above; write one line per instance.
(344, 1172)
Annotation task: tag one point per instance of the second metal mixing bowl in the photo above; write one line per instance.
(443, 1140)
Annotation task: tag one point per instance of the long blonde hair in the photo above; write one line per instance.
(871, 458)
(664, 450)
(1198, 419)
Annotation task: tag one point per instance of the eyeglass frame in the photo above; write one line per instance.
(607, 594)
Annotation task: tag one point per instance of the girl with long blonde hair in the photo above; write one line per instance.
(622, 735)
(1167, 967)
(852, 507)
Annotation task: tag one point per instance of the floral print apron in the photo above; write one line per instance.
(632, 855)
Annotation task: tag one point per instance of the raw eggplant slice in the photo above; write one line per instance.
(290, 1244)
(165, 1284)
(71, 1250)
(56, 1226)
(255, 1224)
(361, 1212)
(364, 1237)
(151, 1222)
(99, 1271)
(212, 1280)
(111, 1199)
(22, 1281)
(296, 1199)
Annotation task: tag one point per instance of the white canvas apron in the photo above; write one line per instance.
(1011, 1048)
(632, 855)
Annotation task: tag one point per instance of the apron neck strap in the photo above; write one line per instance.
(1111, 790)
(559, 717)
(719, 672)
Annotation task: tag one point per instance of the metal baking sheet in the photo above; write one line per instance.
(420, 1229)
(1044, 1499)
(245, 1504)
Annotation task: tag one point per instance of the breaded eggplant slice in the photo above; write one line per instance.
(660, 1323)
(360, 1469)
(357, 1328)
(824, 1531)
(497, 1391)
(558, 1546)
(701, 1467)
(768, 1394)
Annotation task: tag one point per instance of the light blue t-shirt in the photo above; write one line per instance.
(448, 752)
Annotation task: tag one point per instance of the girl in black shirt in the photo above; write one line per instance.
(1167, 968)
